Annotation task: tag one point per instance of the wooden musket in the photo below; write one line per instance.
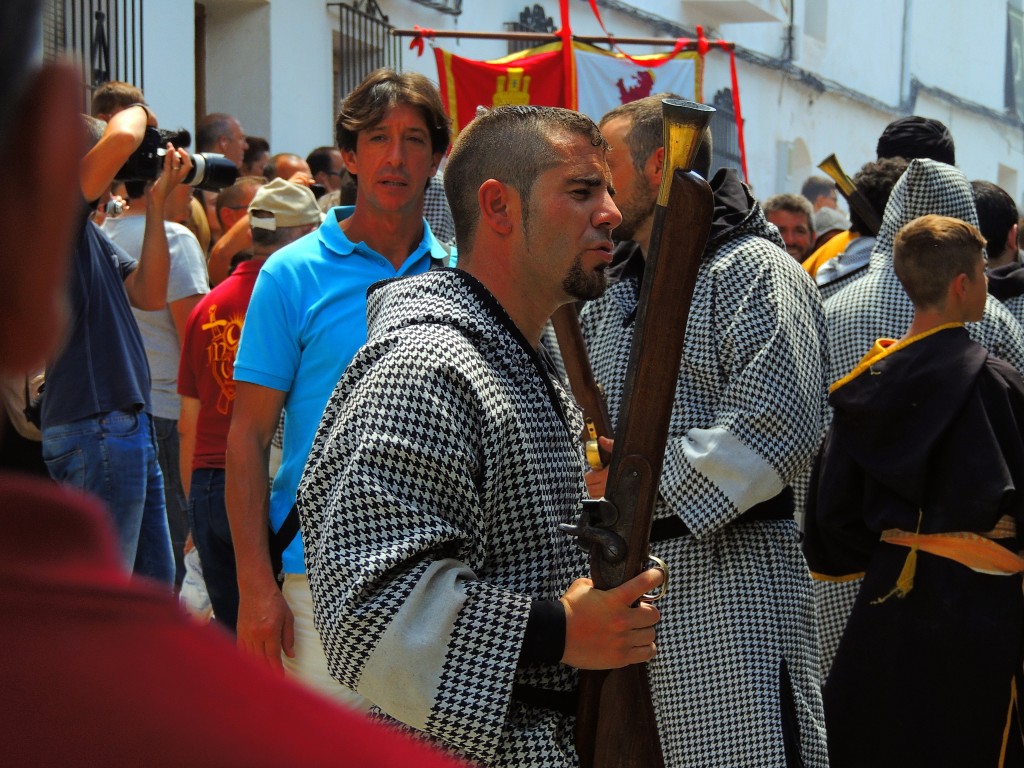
(616, 727)
(585, 388)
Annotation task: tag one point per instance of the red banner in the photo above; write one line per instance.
(534, 77)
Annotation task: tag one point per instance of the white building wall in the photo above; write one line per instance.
(270, 63)
(300, 79)
(170, 63)
(238, 63)
(961, 48)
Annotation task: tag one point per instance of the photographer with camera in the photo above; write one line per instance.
(96, 419)
(162, 331)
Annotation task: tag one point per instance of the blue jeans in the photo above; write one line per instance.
(168, 453)
(208, 517)
(114, 456)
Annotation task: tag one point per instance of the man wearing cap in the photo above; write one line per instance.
(306, 320)
(280, 213)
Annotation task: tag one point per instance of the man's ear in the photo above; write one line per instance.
(654, 167)
(958, 288)
(437, 163)
(39, 215)
(348, 157)
(498, 207)
(1010, 246)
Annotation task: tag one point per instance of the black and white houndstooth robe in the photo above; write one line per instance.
(445, 460)
(875, 306)
(748, 412)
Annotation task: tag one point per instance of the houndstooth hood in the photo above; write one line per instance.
(737, 213)
(927, 186)
(442, 296)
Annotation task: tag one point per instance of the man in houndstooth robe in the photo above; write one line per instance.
(877, 307)
(449, 454)
(735, 681)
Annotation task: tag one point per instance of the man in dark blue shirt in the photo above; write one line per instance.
(96, 422)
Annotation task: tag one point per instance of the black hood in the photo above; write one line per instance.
(1006, 281)
(894, 412)
(735, 213)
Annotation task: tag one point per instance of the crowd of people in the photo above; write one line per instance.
(326, 399)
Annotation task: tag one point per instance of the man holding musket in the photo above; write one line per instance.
(736, 679)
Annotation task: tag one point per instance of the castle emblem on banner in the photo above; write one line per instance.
(512, 88)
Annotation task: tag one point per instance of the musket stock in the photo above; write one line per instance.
(856, 199)
(616, 727)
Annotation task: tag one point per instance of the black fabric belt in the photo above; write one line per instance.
(778, 507)
(564, 702)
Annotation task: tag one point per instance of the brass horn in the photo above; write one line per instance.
(684, 122)
(872, 220)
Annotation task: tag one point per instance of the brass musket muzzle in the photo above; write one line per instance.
(831, 166)
(685, 122)
(872, 219)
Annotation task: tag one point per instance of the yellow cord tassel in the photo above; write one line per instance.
(905, 582)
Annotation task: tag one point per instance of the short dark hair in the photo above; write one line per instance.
(647, 132)
(257, 145)
(482, 152)
(211, 128)
(815, 186)
(875, 181)
(382, 90)
(791, 204)
(997, 213)
(913, 137)
(930, 251)
(230, 197)
(113, 94)
(320, 160)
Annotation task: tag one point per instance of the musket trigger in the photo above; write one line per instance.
(662, 590)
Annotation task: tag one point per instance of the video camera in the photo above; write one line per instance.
(210, 171)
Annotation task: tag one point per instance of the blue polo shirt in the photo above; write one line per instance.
(306, 320)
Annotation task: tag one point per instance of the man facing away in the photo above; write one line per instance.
(449, 454)
(736, 678)
(920, 490)
(306, 319)
(280, 213)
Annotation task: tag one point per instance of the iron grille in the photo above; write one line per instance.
(533, 19)
(364, 44)
(725, 143)
(104, 37)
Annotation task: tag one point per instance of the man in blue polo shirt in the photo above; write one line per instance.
(306, 320)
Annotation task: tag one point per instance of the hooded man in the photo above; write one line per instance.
(736, 679)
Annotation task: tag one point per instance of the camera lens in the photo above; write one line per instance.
(211, 172)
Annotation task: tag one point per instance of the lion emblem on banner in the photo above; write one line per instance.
(643, 86)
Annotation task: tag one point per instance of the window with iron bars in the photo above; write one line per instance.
(533, 19)
(725, 142)
(362, 43)
(104, 37)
